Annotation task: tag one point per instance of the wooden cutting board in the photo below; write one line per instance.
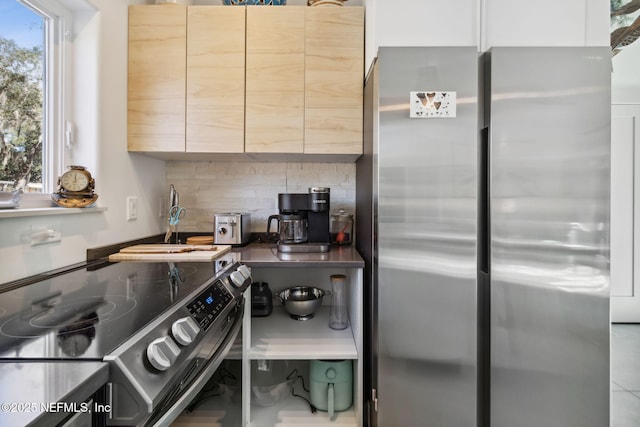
(200, 240)
(163, 248)
(187, 255)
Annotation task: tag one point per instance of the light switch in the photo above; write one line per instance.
(132, 208)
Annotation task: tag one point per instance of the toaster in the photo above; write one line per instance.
(231, 228)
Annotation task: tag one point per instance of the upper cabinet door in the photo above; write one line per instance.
(334, 80)
(215, 79)
(157, 76)
(275, 79)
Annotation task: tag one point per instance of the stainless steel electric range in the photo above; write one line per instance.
(163, 328)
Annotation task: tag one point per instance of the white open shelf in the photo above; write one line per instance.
(278, 336)
(291, 411)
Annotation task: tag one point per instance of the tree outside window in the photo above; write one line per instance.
(21, 100)
(22, 82)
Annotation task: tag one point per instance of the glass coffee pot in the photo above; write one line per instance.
(292, 228)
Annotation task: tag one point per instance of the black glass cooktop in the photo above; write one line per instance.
(87, 314)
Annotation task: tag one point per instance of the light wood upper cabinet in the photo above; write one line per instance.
(275, 79)
(157, 75)
(215, 79)
(334, 61)
(254, 79)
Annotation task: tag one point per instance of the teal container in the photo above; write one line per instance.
(331, 385)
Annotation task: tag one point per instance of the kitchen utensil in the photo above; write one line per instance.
(292, 228)
(269, 395)
(176, 213)
(261, 299)
(173, 196)
(341, 228)
(232, 228)
(331, 387)
(338, 318)
(270, 381)
(301, 302)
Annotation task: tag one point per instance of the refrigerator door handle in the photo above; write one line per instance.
(484, 207)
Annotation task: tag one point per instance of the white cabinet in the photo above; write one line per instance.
(279, 344)
(517, 23)
(625, 209)
(279, 337)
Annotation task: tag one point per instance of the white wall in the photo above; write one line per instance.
(100, 115)
(625, 83)
(545, 23)
(485, 23)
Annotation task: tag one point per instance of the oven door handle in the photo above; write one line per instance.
(207, 372)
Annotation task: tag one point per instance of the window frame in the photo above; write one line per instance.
(58, 68)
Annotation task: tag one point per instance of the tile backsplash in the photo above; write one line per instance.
(206, 188)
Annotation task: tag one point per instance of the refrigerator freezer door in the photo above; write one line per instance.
(426, 238)
(549, 187)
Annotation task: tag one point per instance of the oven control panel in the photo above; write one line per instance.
(206, 307)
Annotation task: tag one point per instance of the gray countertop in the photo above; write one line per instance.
(267, 255)
(29, 391)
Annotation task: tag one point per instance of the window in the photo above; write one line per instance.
(33, 101)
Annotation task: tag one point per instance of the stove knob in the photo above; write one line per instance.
(237, 279)
(185, 330)
(162, 352)
(245, 271)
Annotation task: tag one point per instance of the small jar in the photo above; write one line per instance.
(341, 228)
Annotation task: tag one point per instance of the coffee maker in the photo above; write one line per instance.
(303, 221)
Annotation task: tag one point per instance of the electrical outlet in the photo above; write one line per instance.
(47, 233)
(132, 208)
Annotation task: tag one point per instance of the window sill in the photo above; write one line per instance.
(25, 212)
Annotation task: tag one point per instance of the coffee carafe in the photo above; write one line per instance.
(292, 227)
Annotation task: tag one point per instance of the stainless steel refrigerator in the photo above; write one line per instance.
(483, 218)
